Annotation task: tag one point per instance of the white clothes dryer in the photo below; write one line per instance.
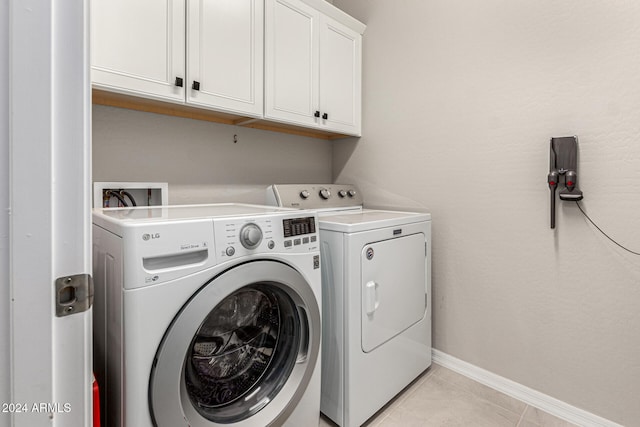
(376, 310)
(207, 315)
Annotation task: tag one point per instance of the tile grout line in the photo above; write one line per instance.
(535, 399)
(384, 417)
(524, 411)
(478, 396)
(402, 396)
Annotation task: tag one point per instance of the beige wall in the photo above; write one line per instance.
(199, 159)
(460, 100)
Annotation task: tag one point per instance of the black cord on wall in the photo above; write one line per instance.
(126, 193)
(117, 196)
(605, 234)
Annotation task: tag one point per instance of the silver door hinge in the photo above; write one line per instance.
(74, 294)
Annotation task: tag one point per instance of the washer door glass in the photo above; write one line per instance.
(240, 352)
(243, 353)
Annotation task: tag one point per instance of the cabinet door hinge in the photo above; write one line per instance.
(74, 294)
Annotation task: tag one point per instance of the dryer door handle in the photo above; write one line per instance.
(371, 297)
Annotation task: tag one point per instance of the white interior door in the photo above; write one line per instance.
(49, 204)
(5, 370)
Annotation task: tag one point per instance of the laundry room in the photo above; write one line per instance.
(534, 311)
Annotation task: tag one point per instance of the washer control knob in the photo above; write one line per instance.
(271, 244)
(250, 235)
(325, 193)
(351, 193)
(342, 194)
(230, 251)
(304, 194)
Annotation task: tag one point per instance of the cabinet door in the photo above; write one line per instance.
(137, 47)
(291, 68)
(340, 77)
(225, 55)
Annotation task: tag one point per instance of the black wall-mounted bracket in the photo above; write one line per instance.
(563, 171)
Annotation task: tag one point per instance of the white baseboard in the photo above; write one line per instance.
(525, 394)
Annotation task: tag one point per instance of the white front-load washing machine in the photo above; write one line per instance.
(376, 289)
(207, 315)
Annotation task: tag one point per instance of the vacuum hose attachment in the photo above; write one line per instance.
(563, 171)
(552, 179)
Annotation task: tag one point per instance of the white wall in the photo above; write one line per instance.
(199, 159)
(460, 100)
(4, 213)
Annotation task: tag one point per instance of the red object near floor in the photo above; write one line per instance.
(96, 403)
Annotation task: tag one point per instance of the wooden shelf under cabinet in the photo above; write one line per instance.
(112, 99)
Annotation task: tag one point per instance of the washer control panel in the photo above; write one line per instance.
(314, 196)
(275, 233)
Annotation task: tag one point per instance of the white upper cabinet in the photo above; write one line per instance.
(296, 62)
(312, 66)
(340, 77)
(225, 54)
(138, 47)
(291, 65)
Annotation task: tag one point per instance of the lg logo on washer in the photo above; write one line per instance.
(148, 236)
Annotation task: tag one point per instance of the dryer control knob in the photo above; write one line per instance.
(304, 194)
(342, 193)
(250, 236)
(351, 193)
(325, 194)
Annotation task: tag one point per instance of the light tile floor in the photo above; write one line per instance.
(441, 397)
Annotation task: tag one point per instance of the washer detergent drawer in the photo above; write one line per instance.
(392, 287)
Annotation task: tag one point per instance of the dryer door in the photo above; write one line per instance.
(393, 288)
(241, 352)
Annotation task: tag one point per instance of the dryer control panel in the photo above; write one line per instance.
(314, 196)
